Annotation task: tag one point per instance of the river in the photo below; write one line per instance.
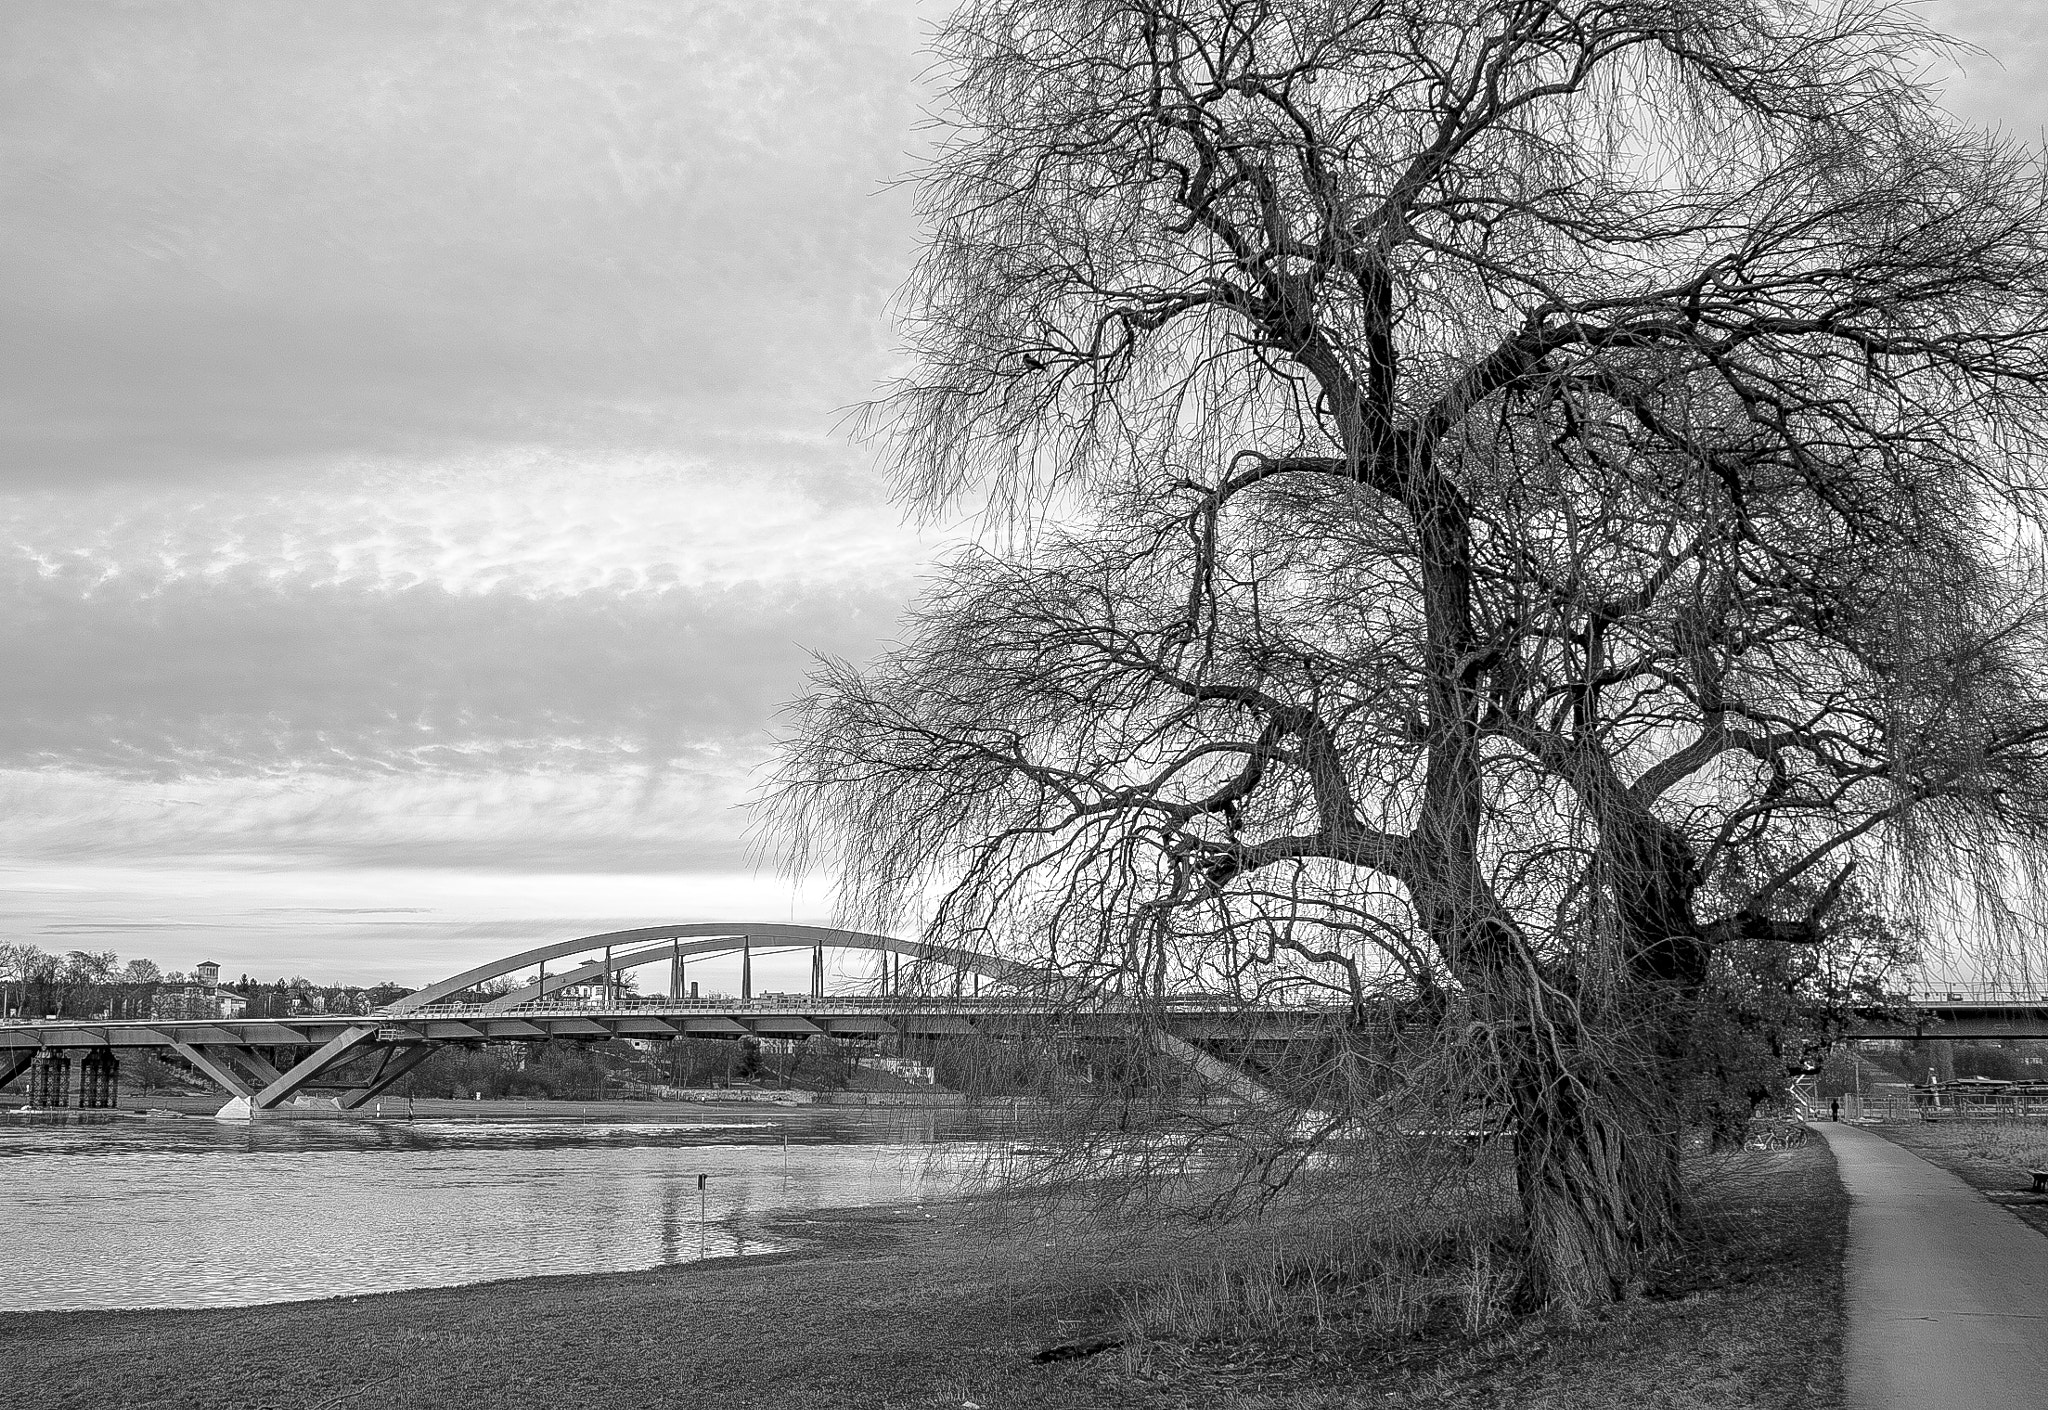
(122, 1212)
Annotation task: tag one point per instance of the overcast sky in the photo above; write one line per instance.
(419, 476)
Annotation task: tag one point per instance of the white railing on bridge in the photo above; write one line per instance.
(1976, 994)
(776, 1003)
(786, 1003)
(1919, 1105)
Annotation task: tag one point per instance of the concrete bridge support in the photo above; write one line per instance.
(1225, 1076)
(397, 1062)
(310, 1069)
(212, 1059)
(256, 1085)
(14, 1062)
(99, 1073)
(49, 1081)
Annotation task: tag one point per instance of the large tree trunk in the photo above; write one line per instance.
(1595, 1114)
(1595, 1095)
(1589, 1065)
(1594, 1110)
(1596, 1166)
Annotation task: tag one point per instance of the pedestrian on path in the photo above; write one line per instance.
(1834, 1109)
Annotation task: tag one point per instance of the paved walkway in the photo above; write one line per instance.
(1947, 1293)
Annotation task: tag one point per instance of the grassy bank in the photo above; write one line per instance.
(1749, 1316)
(940, 1307)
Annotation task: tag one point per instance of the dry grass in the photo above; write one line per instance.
(1326, 1289)
(1749, 1316)
(2014, 1147)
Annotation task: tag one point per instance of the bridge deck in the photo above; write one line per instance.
(363, 1054)
(869, 1016)
(771, 1017)
(1971, 1015)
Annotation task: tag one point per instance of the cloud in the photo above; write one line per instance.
(254, 919)
(516, 618)
(534, 521)
(243, 232)
(240, 672)
(1998, 85)
(416, 421)
(684, 820)
(418, 471)
(542, 668)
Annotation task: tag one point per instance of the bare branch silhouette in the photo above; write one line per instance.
(1525, 495)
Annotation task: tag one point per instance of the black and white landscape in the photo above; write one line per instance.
(997, 703)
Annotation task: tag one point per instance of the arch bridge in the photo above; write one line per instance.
(264, 1062)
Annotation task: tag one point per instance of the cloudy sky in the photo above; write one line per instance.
(419, 475)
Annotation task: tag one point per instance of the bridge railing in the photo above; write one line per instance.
(784, 1003)
(1977, 994)
(1918, 1106)
(765, 1003)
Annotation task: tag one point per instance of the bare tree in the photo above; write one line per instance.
(1524, 500)
(142, 971)
(20, 964)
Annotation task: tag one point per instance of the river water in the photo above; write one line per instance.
(197, 1213)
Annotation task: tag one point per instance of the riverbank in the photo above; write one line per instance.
(946, 1305)
(139, 1105)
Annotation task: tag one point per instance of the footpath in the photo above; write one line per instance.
(1947, 1293)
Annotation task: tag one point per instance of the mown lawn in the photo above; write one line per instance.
(931, 1308)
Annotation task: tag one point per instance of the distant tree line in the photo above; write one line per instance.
(99, 984)
(284, 998)
(568, 1070)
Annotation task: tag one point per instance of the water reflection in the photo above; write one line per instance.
(194, 1213)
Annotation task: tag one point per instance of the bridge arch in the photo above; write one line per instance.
(651, 943)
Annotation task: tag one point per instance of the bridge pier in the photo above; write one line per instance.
(255, 1084)
(396, 1063)
(49, 1081)
(212, 1060)
(336, 1051)
(1226, 1076)
(14, 1062)
(99, 1074)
